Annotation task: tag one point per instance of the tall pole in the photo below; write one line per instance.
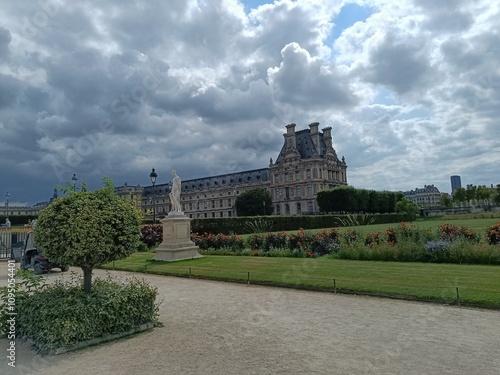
(153, 176)
(74, 179)
(7, 196)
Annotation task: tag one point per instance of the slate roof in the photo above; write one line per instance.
(245, 177)
(305, 146)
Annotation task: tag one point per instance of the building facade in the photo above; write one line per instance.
(428, 197)
(306, 164)
(456, 183)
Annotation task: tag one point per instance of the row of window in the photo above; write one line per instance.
(222, 203)
(298, 208)
(216, 183)
(287, 193)
(314, 173)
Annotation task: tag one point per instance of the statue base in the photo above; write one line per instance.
(177, 244)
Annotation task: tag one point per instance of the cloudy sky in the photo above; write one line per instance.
(115, 87)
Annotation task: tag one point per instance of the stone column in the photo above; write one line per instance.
(177, 244)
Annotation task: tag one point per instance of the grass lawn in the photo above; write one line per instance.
(477, 225)
(478, 285)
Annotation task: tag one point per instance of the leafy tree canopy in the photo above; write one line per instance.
(408, 207)
(254, 202)
(349, 199)
(87, 229)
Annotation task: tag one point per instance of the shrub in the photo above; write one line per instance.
(351, 237)
(448, 232)
(325, 242)
(437, 251)
(468, 234)
(493, 234)
(259, 225)
(256, 241)
(407, 233)
(61, 314)
(372, 239)
(300, 241)
(152, 235)
(275, 241)
(208, 241)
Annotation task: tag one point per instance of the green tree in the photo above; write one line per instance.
(484, 194)
(459, 196)
(471, 194)
(445, 201)
(87, 229)
(254, 202)
(338, 199)
(373, 202)
(496, 195)
(363, 198)
(408, 207)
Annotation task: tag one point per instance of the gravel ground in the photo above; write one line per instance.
(222, 328)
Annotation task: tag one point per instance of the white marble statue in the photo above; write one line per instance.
(175, 193)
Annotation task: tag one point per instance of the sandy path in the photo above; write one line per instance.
(223, 328)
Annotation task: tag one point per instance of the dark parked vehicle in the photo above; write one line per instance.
(32, 259)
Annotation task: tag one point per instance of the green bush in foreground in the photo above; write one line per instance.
(61, 314)
(87, 229)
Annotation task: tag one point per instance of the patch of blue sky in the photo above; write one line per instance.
(417, 113)
(385, 97)
(348, 16)
(253, 4)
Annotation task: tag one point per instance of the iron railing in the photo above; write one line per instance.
(10, 238)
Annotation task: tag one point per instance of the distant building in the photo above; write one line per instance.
(456, 183)
(20, 210)
(306, 164)
(428, 197)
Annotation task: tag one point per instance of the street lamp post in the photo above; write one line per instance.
(153, 176)
(74, 179)
(7, 196)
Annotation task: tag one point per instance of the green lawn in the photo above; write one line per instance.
(478, 285)
(477, 225)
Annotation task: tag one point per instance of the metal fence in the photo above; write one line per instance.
(11, 240)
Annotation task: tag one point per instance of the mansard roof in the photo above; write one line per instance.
(245, 177)
(305, 146)
(230, 179)
(427, 189)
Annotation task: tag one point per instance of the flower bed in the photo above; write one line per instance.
(405, 243)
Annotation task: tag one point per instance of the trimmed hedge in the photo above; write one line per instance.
(61, 314)
(237, 225)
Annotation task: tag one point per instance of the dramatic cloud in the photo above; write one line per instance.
(113, 88)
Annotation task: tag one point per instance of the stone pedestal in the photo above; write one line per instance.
(177, 244)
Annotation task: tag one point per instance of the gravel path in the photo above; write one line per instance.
(222, 328)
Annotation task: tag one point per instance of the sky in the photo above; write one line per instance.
(113, 88)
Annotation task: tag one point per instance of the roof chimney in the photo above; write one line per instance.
(290, 141)
(315, 135)
(327, 136)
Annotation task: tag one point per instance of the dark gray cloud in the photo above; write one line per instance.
(113, 88)
(401, 65)
(446, 16)
(5, 39)
(308, 82)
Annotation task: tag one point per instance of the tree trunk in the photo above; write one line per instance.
(87, 279)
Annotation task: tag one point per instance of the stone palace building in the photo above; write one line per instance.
(428, 197)
(306, 164)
